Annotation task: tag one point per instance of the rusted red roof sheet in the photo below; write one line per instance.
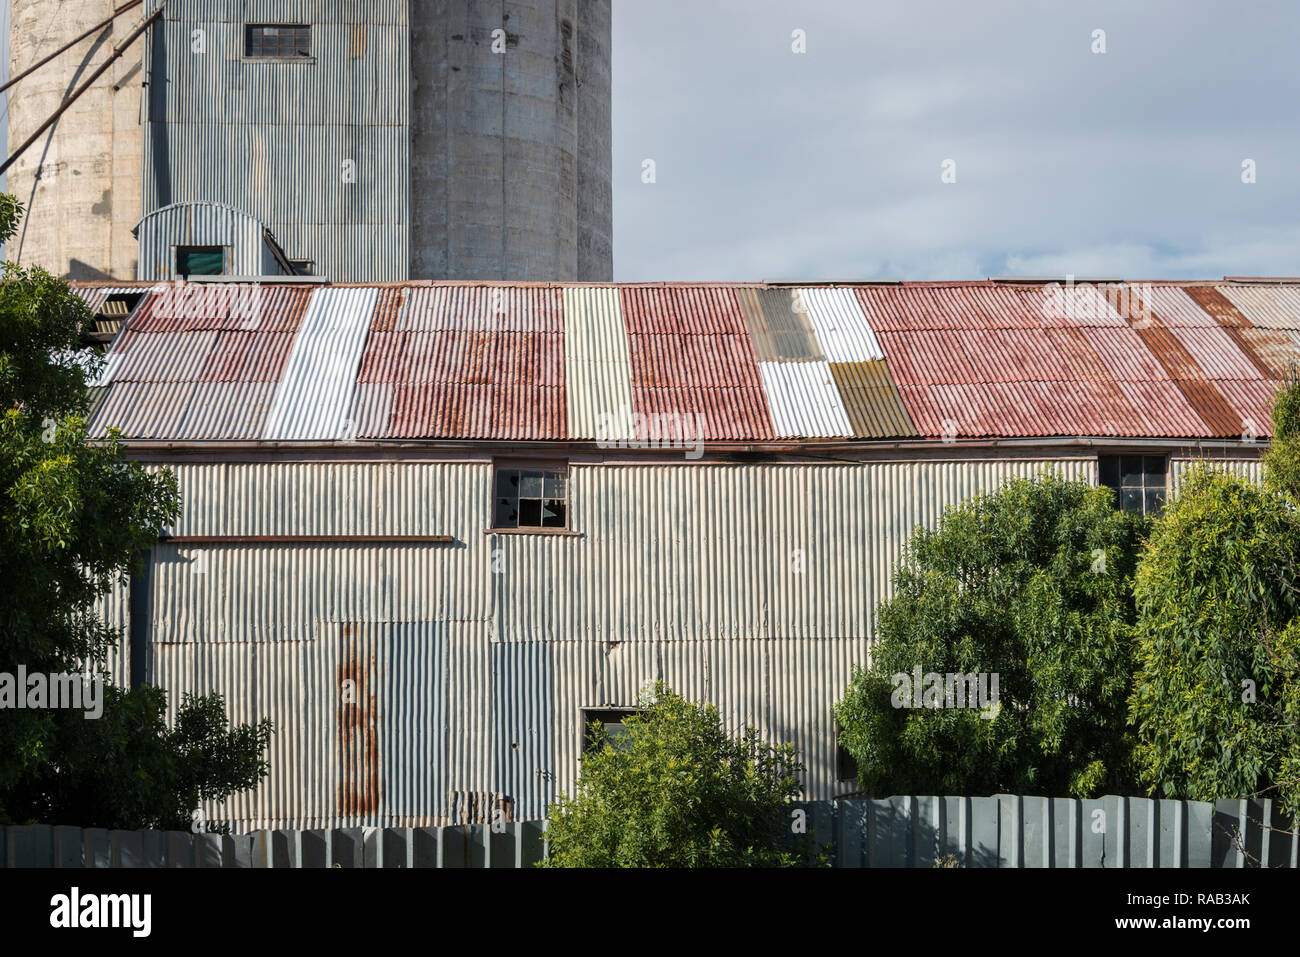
(691, 354)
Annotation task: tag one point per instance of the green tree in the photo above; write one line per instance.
(675, 790)
(1216, 699)
(1031, 583)
(72, 515)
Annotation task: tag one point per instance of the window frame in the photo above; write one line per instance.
(310, 57)
(531, 465)
(1144, 487)
(588, 715)
(176, 259)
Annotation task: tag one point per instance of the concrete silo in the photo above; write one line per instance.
(425, 139)
(510, 160)
(80, 180)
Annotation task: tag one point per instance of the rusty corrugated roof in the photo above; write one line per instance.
(533, 361)
(690, 353)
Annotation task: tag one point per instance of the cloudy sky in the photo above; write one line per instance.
(829, 163)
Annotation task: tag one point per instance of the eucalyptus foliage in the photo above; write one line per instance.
(72, 515)
(1031, 583)
(676, 790)
(1216, 702)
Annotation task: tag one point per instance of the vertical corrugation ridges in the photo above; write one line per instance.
(597, 368)
(315, 394)
(691, 354)
(871, 399)
(804, 400)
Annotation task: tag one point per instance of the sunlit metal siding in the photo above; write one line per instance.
(842, 327)
(272, 137)
(361, 722)
(750, 586)
(482, 308)
(1275, 349)
(1215, 352)
(1250, 469)
(247, 307)
(597, 370)
(525, 722)
(199, 224)
(1273, 307)
(142, 410)
(684, 552)
(804, 400)
(315, 395)
(1175, 308)
(226, 411)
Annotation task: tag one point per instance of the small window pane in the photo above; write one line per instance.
(1131, 500)
(506, 515)
(199, 260)
(530, 484)
(1155, 470)
(1131, 469)
(554, 484)
(553, 513)
(277, 40)
(1108, 466)
(530, 513)
(507, 482)
(1155, 500)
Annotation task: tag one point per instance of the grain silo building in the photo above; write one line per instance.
(358, 140)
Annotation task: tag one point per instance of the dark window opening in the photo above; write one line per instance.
(531, 498)
(301, 267)
(846, 766)
(604, 726)
(1137, 480)
(277, 40)
(114, 310)
(200, 260)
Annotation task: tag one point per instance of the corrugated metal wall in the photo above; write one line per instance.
(202, 224)
(319, 150)
(1250, 469)
(751, 586)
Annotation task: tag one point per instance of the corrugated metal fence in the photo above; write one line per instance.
(1000, 831)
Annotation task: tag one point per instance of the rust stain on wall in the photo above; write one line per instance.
(358, 727)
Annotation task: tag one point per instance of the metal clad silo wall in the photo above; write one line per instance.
(318, 149)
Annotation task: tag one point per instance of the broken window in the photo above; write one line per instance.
(604, 726)
(531, 498)
(282, 40)
(1138, 481)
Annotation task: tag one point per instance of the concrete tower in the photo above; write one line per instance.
(80, 180)
(371, 139)
(510, 122)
